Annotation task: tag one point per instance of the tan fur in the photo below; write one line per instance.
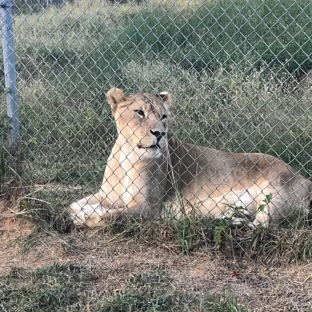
(147, 168)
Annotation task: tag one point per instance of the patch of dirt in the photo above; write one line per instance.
(259, 286)
(12, 229)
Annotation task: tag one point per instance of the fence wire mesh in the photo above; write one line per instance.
(238, 73)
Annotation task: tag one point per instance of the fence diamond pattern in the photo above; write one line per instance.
(238, 73)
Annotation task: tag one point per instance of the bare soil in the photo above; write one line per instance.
(256, 285)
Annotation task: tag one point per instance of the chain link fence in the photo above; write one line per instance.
(238, 73)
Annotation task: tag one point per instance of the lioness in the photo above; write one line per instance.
(147, 168)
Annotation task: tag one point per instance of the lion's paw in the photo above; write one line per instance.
(89, 215)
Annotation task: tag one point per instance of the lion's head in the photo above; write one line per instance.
(141, 121)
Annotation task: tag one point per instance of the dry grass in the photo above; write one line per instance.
(142, 267)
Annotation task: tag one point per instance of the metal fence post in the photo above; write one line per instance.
(9, 72)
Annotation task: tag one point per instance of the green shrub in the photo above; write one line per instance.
(230, 66)
(209, 36)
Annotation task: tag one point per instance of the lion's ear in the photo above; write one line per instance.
(165, 96)
(114, 96)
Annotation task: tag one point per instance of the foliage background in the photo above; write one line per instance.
(238, 72)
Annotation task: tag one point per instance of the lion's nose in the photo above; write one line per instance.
(158, 134)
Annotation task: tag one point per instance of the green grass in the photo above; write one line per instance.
(54, 288)
(71, 287)
(292, 241)
(224, 34)
(242, 91)
(45, 207)
(250, 113)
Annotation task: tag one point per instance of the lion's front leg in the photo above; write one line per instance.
(92, 212)
(93, 215)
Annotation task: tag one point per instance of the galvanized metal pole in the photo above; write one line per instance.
(9, 72)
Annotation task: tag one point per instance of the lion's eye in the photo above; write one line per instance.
(163, 117)
(140, 112)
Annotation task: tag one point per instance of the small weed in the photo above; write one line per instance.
(266, 201)
(186, 232)
(219, 232)
(185, 225)
(220, 304)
